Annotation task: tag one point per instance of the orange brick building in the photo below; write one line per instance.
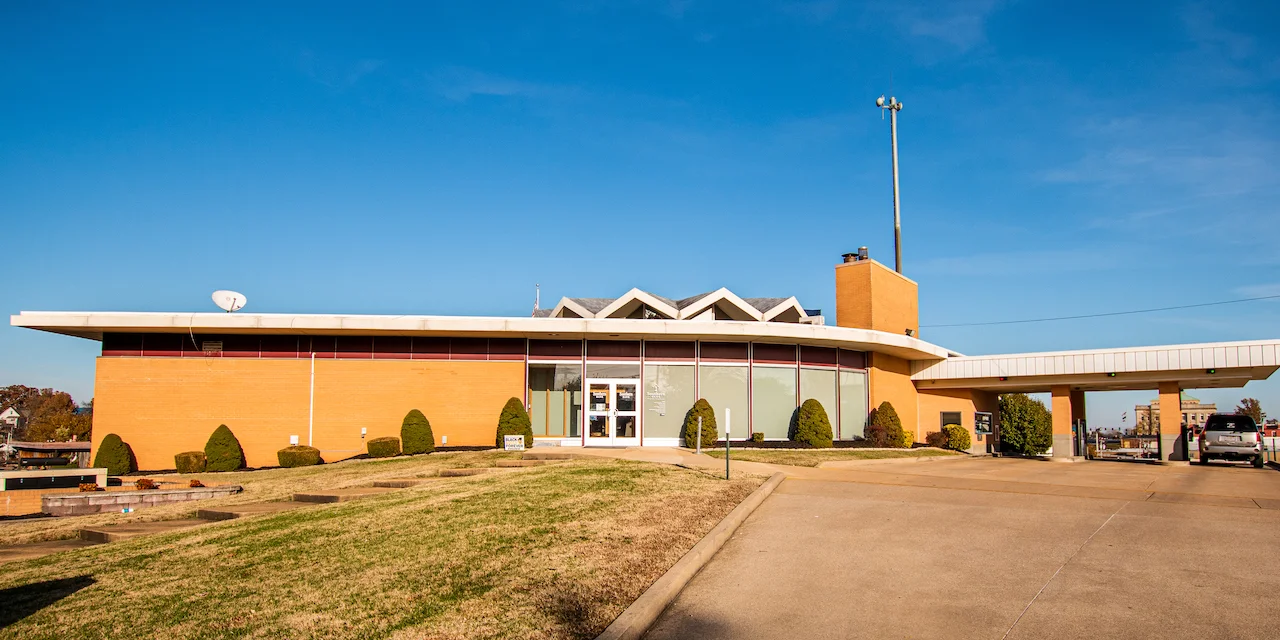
(592, 371)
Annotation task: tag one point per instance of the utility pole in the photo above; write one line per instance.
(893, 106)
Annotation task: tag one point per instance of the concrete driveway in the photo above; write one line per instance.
(994, 549)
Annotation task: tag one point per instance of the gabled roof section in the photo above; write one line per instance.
(721, 301)
(720, 304)
(631, 301)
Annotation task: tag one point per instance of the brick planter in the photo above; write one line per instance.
(79, 504)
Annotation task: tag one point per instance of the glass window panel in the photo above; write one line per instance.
(613, 370)
(668, 395)
(726, 388)
(555, 399)
(773, 400)
(820, 384)
(853, 404)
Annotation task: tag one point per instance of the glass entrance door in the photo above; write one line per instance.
(613, 413)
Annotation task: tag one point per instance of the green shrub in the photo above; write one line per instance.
(222, 452)
(884, 428)
(189, 462)
(908, 439)
(936, 439)
(957, 437)
(757, 436)
(812, 426)
(298, 456)
(700, 409)
(1026, 426)
(115, 456)
(514, 421)
(415, 433)
(384, 447)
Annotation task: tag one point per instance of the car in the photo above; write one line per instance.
(1229, 436)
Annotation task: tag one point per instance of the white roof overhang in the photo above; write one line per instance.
(1206, 365)
(93, 325)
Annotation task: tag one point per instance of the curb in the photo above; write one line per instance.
(635, 621)
(852, 464)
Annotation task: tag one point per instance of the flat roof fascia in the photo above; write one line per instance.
(92, 325)
(1232, 363)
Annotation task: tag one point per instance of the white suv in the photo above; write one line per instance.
(1231, 437)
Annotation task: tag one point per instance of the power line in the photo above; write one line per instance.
(1097, 315)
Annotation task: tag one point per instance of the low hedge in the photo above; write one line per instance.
(908, 439)
(514, 421)
(415, 433)
(189, 462)
(757, 436)
(957, 437)
(384, 447)
(115, 456)
(298, 456)
(812, 426)
(222, 452)
(936, 439)
(700, 409)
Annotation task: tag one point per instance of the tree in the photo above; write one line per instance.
(812, 426)
(1252, 408)
(884, 427)
(115, 456)
(1026, 426)
(49, 414)
(700, 409)
(514, 421)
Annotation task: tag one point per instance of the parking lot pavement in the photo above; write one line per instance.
(841, 558)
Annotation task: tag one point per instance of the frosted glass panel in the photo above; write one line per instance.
(555, 399)
(773, 400)
(726, 387)
(820, 384)
(668, 395)
(853, 404)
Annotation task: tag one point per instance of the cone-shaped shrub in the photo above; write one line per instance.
(884, 428)
(415, 434)
(298, 456)
(514, 421)
(384, 447)
(702, 409)
(957, 437)
(222, 452)
(189, 462)
(115, 456)
(813, 427)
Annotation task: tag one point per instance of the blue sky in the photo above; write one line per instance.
(1056, 159)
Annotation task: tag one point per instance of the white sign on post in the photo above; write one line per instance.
(513, 443)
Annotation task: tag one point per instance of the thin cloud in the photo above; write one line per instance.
(461, 84)
(337, 75)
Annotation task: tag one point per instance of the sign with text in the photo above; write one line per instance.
(513, 443)
(982, 422)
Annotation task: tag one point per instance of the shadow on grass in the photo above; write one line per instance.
(20, 602)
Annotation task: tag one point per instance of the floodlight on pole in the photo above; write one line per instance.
(894, 106)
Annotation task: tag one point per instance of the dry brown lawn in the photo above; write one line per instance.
(259, 486)
(542, 552)
(807, 458)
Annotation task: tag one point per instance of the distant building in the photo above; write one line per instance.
(1194, 414)
(11, 419)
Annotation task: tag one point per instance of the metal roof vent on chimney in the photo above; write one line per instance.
(862, 253)
(849, 257)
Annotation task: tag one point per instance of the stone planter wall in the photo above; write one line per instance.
(78, 504)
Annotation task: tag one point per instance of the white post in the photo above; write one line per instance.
(727, 423)
(699, 445)
(311, 409)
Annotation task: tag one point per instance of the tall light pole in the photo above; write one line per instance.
(894, 107)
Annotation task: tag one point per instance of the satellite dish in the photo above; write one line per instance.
(229, 300)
